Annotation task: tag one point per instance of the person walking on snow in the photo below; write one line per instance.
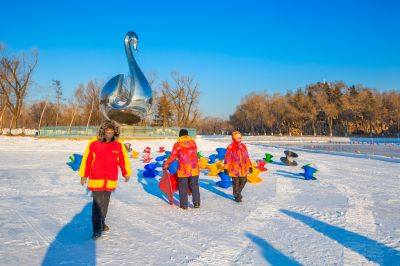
(185, 150)
(237, 163)
(99, 168)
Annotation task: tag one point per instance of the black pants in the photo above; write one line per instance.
(238, 185)
(99, 209)
(183, 184)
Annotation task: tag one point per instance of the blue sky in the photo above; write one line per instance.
(231, 47)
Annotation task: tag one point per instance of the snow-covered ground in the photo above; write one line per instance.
(349, 216)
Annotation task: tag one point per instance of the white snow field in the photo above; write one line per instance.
(350, 215)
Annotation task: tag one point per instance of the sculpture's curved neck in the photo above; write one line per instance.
(129, 55)
(139, 86)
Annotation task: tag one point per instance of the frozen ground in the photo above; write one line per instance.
(349, 216)
(387, 149)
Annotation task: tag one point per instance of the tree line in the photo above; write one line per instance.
(323, 108)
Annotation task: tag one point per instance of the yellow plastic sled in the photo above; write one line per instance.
(203, 163)
(134, 154)
(253, 177)
(213, 170)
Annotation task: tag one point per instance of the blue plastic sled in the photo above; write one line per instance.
(75, 161)
(212, 158)
(160, 161)
(173, 167)
(221, 153)
(150, 170)
(309, 172)
(160, 158)
(225, 180)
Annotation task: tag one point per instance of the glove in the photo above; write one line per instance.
(165, 166)
(127, 178)
(251, 170)
(226, 171)
(83, 180)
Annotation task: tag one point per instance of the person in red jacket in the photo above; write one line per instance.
(237, 163)
(185, 150)
(99, 168)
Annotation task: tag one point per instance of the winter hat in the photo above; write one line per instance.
(183, 132)
(236, 136)
(106, 125)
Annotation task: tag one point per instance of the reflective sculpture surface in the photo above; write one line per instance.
(126, 100)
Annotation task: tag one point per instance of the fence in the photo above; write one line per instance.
(18, 131)
(126, 132)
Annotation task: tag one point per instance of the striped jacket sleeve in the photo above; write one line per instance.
(124, 162)
(227, 159)
(248, 162)
(87, 160)
(172, 156)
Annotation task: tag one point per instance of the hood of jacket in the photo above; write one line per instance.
(108, 124)
(186, 142)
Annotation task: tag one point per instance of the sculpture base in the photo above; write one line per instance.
(125, 116)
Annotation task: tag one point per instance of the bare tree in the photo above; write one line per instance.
(77, 96)
(212, 125)
(329, 102)
(3, 107)
(184, 97)
(2, 115)
(59, 93)
(15, 79)
(164, 112)
(278, 111)
(303, 111)
(92, 102)
(41, 115)
(394, 110)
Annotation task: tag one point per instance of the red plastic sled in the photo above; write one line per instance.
(261, 165)
(168, 184)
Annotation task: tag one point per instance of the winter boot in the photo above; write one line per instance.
(106, 228)
(96, 236)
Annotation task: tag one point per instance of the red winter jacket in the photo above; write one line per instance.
(100, 163)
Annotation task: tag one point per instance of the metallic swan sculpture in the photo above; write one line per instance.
(127, 100)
